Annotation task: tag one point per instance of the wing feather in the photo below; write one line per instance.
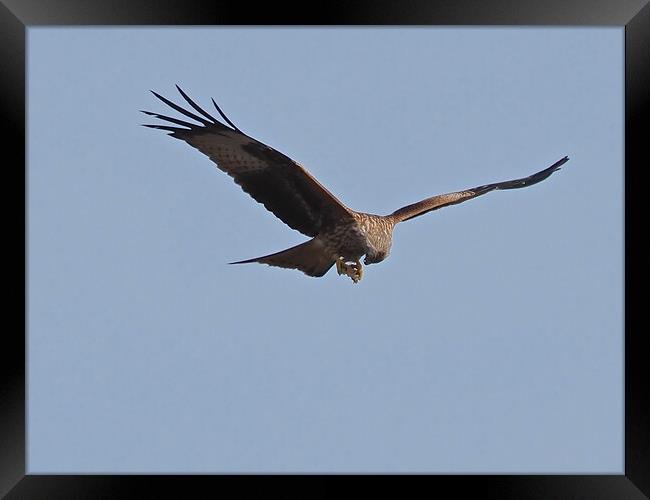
(444, 200)
(282, 185)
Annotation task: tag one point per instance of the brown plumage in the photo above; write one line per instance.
(340, 235)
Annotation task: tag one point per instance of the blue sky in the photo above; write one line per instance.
(490, 341)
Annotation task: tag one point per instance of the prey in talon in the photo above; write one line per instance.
(353, 269)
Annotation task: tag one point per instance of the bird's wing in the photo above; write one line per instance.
(282, 185)
(444, 200)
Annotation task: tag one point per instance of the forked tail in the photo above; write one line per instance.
(308, 257)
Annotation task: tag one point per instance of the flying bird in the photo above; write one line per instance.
(339, 235)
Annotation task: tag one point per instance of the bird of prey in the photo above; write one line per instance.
(339, 235)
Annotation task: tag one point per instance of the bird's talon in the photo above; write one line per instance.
(353, 270)
(341, 268)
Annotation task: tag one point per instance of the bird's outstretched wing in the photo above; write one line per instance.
(282, 185)
(444, 200)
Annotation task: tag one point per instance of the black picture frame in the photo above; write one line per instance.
(16, 16)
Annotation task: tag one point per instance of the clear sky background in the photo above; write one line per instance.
(490, 341)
